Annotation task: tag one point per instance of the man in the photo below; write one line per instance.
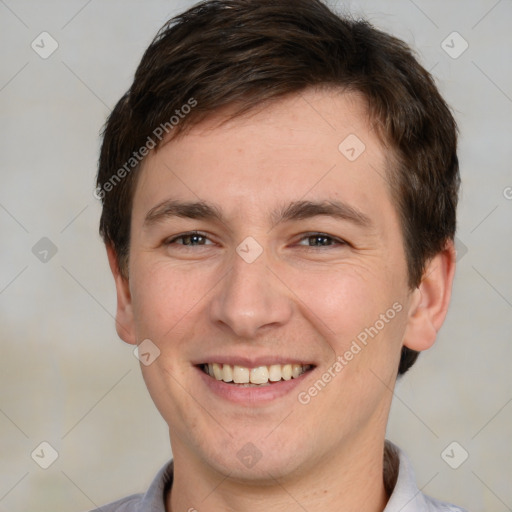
(279, 188)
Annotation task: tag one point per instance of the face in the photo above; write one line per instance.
(268, 241)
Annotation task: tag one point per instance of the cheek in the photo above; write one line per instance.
(163, 297)
(345, 299)
(361, 313)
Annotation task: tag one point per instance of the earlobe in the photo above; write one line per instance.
(430, 301)
(124, 313)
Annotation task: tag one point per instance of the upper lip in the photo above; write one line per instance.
(252, 362)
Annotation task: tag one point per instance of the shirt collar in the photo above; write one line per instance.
(399, 480)
(154, 499)
(405, 496)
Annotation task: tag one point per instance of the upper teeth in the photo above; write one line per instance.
(258, 375)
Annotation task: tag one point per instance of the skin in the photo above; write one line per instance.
(302, 298)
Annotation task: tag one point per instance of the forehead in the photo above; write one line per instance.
(317, 145)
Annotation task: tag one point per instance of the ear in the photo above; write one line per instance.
(429, 303)
(124, 313)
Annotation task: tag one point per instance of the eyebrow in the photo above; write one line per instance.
(294, 211)
(185, 209)
(299, 210)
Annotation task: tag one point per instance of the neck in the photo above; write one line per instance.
(350, 479)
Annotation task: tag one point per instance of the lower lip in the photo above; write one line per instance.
(252, 394)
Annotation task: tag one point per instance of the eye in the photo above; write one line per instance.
(320, 240)
(191, 239)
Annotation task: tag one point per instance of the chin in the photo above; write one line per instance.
(258, 461)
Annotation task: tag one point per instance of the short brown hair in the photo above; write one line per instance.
(246, 53)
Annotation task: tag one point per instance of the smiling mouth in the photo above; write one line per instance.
(259, 376)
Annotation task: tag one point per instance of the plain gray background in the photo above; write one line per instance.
(65, 377)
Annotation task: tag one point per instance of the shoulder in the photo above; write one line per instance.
(153, 500)
(405, 495)
(433, 505)
(128, 504)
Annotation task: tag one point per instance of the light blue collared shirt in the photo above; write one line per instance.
(405, 497)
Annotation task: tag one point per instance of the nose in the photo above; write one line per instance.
(250, 299)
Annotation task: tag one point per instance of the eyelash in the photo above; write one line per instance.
(336, 240)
